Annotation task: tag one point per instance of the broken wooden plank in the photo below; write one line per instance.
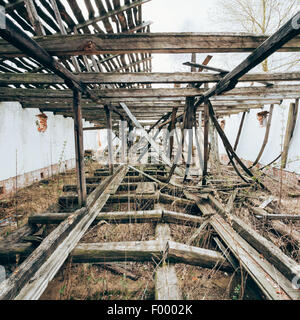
(166, 281)
(271, 282)
(271, 252)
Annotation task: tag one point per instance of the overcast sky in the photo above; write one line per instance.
(178, 15)
(191, 16)
(185, 16)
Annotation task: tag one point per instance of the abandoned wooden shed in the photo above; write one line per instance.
(159, 198)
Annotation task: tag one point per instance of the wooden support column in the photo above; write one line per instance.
(171, 129)
(109, 139)
(123, 140)
(239, 132)
(215, 161)
(188, 127)
(79, 149)
(290, 127)
(205, 156)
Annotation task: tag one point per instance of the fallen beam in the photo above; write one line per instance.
(271, 252)
(150, 251)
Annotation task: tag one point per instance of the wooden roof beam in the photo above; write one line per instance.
(143, 78)
(70, 45)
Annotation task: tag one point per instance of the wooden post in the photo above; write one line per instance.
(123, 140)
(239, 132)
(206, 129)
(79, 149)
(171, 129)
(290, 127)
(188, 127)
(213, 148)
(109, 139)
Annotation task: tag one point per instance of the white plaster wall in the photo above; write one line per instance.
(23, 149)
(253, 135)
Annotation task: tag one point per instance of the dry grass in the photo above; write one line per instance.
(92, 282)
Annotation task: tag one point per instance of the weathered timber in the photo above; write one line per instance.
(95, 44)
(109, 139)
(165, 216)
(140, 77)
(118, 251)
(146, 188)
(19, 39)
(271, 252)
(166, 198)
(272, 283)
(182, 253)
(14, 253)
(169, 94)
(79, 149)
(277, 216)
(239, 131)
(150, 251)
(290, 127)
(188, 122)
(166, 281)
(205, 147)
(288, 231)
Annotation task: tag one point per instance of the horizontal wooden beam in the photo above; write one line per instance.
(124, 217)
(240, 92)
(153, 250)
(74, 45)
(143, 78)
